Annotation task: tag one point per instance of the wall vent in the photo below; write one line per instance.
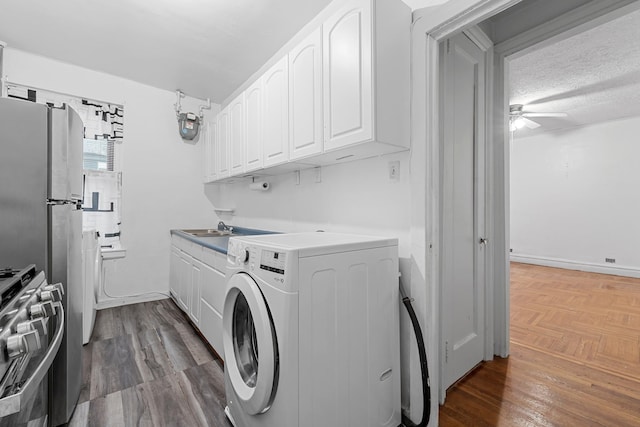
(610, 260)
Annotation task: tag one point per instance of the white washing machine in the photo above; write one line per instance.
(311, 331)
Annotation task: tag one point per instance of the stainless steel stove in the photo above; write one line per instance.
(31, 330)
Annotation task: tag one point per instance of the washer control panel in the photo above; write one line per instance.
(273, 261)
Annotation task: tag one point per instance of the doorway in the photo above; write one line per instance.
(429, 31)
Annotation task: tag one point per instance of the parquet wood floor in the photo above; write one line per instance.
(575, 356)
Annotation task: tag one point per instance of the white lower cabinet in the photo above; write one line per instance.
(197, 269)
(174, 266)
(211, 328)
(197, 284)
(184, 281)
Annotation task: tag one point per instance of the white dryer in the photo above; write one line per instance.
(311, 331)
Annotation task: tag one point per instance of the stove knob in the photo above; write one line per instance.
(56, 286)
(33, 341)
(43, 309)
(53, 295)
(16, 346)
(30, 325)
(19, 344)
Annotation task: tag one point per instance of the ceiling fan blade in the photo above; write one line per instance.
(545, 114)
(530, 123)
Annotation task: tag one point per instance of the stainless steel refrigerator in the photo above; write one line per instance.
(41, 221)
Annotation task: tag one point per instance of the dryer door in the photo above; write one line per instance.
(250, 346)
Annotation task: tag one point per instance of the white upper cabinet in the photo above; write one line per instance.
(223, 144)
(347, 75)
(305, 97)
(366, 75)
(341, 93)
(210, 156)
(253, 116)
(275, 101)
(236, 135)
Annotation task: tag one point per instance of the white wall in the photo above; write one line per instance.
(575, 199)
(357, 197)
(162, 176)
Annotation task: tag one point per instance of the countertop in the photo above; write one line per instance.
(220, 243)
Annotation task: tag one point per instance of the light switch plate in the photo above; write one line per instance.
(394, 170)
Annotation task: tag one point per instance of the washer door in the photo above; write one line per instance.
(250, 346)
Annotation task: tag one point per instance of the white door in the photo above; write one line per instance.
(253, 116)
(236, 135)
(347, 75)
(305, 97)
(250, 346)
(463, 246)
(275, 100)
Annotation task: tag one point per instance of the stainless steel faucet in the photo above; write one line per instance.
(224, 227)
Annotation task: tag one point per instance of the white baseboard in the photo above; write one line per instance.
(577, 265)
(117, 302)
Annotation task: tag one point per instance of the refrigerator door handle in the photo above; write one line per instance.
(56, 202)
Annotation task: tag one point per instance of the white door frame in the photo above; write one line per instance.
(430, 26)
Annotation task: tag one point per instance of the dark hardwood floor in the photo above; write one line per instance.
(575, 356)
(146, 366)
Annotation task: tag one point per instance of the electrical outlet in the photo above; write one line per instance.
(394, 170)
(610, 260)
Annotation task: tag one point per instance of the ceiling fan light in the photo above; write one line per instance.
(517, 123)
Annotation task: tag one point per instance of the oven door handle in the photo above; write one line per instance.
(13, 404)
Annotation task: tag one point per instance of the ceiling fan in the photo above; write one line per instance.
(519, 118)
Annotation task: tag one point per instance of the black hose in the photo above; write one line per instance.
(424, 368)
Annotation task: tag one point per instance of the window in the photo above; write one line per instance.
(102, 189)
(98, 154)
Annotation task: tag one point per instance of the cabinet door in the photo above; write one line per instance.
(347, 75)
(223, 144)
(276, 114)
(253, 115)
(236, 135)
(210, 151)
(196, 283)
(213, 288)
(174, 273)
(184, 281)
(305, 97)
(206, 148)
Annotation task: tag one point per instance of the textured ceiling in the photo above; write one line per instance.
(593, 76)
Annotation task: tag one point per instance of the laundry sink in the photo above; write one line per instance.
(208, 232)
